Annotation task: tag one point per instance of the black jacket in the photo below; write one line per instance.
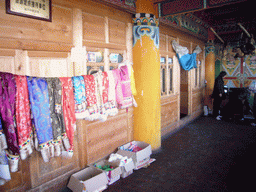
(218, 85)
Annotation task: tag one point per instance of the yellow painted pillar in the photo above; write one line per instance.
(209, 72)
(146, 64)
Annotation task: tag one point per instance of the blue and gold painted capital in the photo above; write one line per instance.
(145, 24)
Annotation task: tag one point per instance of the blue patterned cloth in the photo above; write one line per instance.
(79, 96)
(40, 107)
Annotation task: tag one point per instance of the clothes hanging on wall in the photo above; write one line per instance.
(41, 113)
(186, 60)
(57, 119)
(68, 103)
(23, 117)
(80, 97)
(7, 112)
(90, 88)
(40, 108)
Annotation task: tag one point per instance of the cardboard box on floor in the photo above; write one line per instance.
(89, 179)
(140, 157)
(115, 173)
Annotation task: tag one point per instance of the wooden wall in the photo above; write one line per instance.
(54, 49)
(188, 88)
(46, 49)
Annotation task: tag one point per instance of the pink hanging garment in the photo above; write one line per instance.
(23, 117)
(68, 103)
(118, 87)
(126, 87)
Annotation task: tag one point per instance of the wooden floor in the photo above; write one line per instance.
(205, 155)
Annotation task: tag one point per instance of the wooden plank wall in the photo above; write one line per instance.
(186, 97)
(44, 49)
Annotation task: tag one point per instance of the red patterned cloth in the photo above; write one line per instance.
(90, 90)
(68, 103)
(23, 116)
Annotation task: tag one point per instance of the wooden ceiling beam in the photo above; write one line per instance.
(174, 7)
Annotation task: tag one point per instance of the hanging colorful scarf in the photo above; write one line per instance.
(118, 87)
(68, 103)
(112, 94)
(23, 117)
(7, 111)
(80, 97)
(40, 108)
(126, 87)
(90, 88)
(57, 119)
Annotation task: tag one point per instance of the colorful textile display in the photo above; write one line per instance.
(40, 108)
(111, 95)
(68, 104)
(57, 119)
(23, 117)
(90, 88)
(7, 112)
(80, 97)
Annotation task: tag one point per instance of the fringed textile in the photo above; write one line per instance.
(23, 117)
(68, 103)
(57, 119)
(40, 108)
(7, 111)
(90, 89)
(80, 97)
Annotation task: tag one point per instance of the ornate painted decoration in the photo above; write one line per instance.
(209, 48)
(145, 24)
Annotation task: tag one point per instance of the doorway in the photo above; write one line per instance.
(183, 93)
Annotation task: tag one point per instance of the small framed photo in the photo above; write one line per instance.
(36, 9)
(113, 57)
(162, 60)
(91, 57)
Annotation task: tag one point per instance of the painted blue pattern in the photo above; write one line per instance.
(40, 108)
(150, 31)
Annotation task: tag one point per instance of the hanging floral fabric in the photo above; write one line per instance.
(126, 87)
(80, 97)
(40, 108)
(90, 88)
(57, 119)
(68, 104)
(23, 117)
(7, 112)
(112, 94)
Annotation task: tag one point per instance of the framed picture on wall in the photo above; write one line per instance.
(35, 9)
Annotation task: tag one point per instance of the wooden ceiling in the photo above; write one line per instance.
(223, 16)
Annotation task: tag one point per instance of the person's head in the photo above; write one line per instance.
(223, 73)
